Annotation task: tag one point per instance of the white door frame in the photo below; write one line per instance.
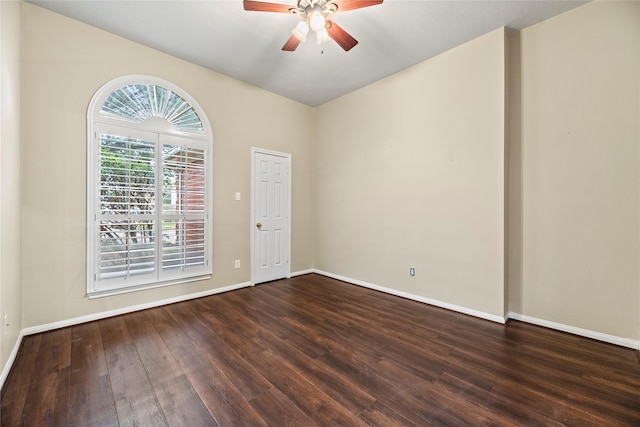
(255, 150)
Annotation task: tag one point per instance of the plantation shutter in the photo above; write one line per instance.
(183, 205)
(127, 217)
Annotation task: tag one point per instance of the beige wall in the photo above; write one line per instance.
(65, 62)
(410, 173)
(10, 241)
(576, 141)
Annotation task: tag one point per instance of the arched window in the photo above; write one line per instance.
(148, 189)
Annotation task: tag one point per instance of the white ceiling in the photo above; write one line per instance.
(222, 36)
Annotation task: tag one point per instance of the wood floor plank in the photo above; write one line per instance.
(14, 391)
(546, 401)
(48, 393)
(91, 400)
(571, 388)
(461, 407)
(307, 396)
(314, 351)
(47, 401)
(87, 353)
(278, 410)
(365, 371)
(135, 400)
(177, 398)
(380, 415)
(224, 402)
(324, 376)
(249, 381)
(268, 316)
(181, 404)
(91, 403)
(509, 410)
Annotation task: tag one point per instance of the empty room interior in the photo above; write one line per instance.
(478, 204)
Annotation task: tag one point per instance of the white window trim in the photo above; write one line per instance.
(94, 121)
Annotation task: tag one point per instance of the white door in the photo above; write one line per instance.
(271, 199)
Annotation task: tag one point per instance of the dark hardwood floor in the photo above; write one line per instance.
(315, 351)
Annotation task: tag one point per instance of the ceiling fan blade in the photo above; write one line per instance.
(291, 44)
(344, 5)
(261, 6)
(341, 37)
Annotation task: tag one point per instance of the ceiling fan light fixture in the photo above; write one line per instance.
(316, 20)
(316, 15)
(322, 36)
(301, 30)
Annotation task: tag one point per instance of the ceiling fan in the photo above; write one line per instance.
(315, 14)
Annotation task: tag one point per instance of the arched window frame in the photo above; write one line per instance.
(163, 136)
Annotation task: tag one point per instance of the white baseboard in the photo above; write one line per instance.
(130, 309)
(302, 272)
(12, 358)
(611, 339)
(452, 307)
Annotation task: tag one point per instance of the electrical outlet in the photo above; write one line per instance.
(238, 195)
(412, 271)
(237, 263)
(6, 323)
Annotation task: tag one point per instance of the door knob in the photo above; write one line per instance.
(259, 225)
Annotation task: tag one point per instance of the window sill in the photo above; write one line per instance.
(129, 289)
